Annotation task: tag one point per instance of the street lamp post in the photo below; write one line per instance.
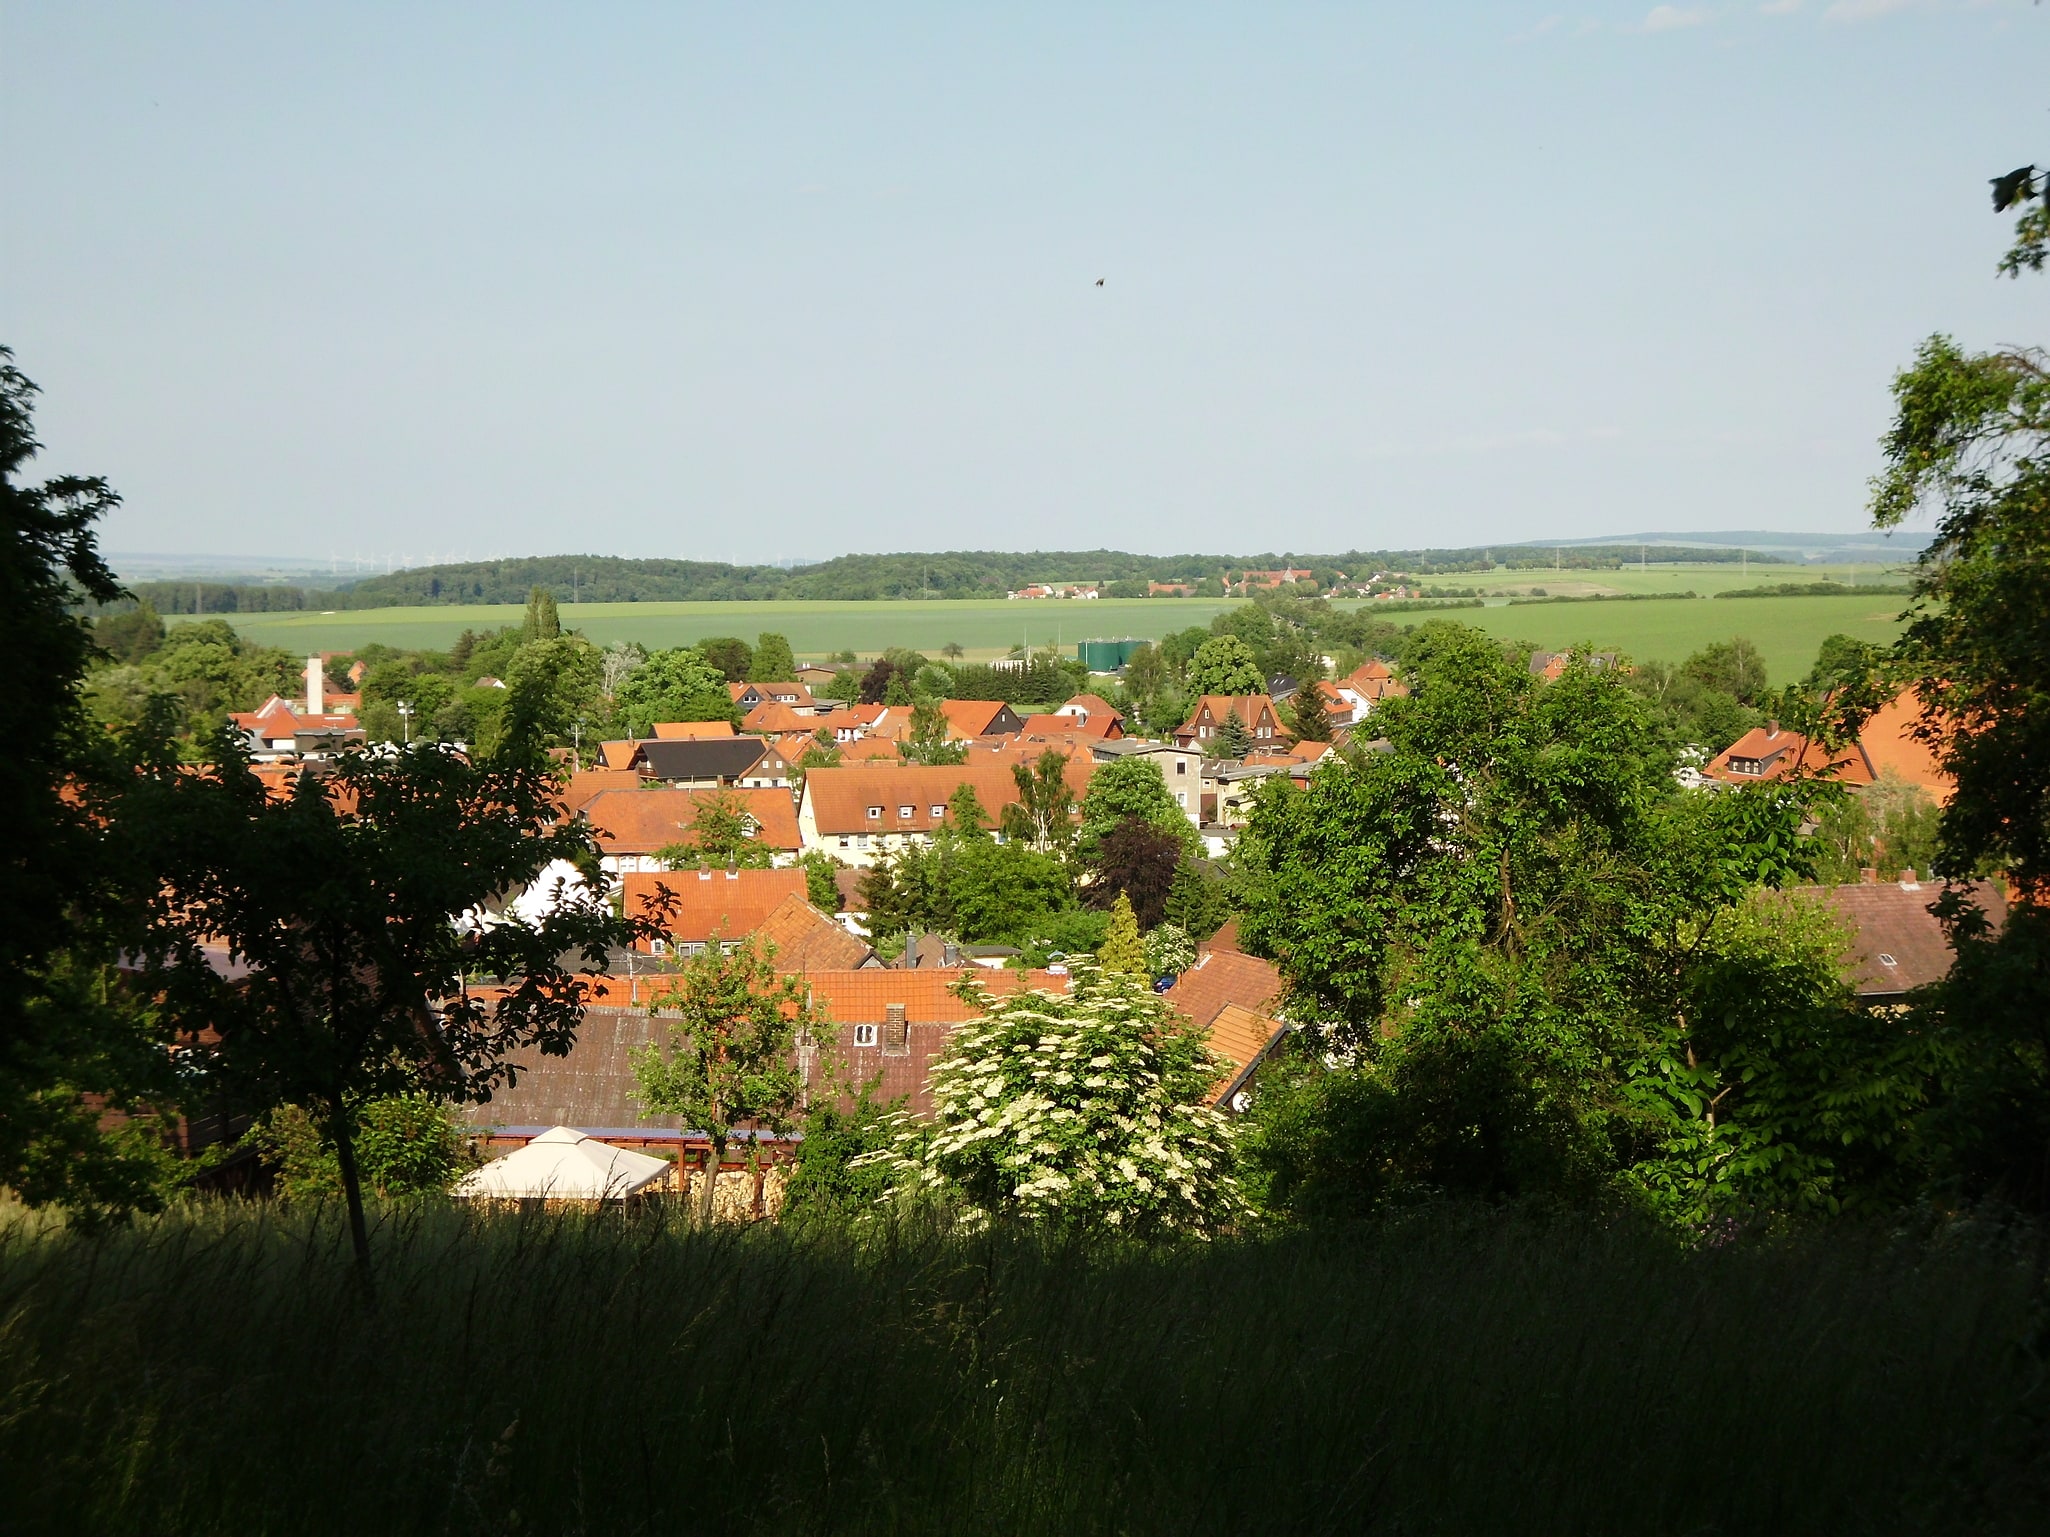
(405, 723)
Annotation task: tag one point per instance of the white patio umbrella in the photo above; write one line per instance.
(562, 1164)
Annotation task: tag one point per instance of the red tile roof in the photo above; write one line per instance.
(1224, 977)
(726, 904)
(585, 783)
(642, 821)
(771, 717)
(841, 797)
(1897, 944)
(806, 939)
(1771, 752)
(1241, 1036)
(692, 730)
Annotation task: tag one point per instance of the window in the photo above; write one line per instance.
(845, 841)
(692, 947)
(1181, 765)
(1181, 799)
(864, 1035)
(905, 811)
(939, 813)
(658, 947)
(1887, 960)
(875, 813)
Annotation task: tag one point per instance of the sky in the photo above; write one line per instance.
(368, 284)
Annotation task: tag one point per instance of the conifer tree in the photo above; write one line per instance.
(1122, 949)
(542, 621)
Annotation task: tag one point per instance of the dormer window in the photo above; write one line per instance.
(864, 1035)
(875, 813)
(905, 812)
(939, 813)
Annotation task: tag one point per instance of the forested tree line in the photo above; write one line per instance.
(854, 578)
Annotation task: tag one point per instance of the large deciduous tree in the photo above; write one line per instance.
(1225, 664)
(673, 685)
(773, 661)
(321, 949)
(1507, 920)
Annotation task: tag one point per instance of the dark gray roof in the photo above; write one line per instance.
(706, 758)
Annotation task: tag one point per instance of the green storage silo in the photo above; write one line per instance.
(1106, 655)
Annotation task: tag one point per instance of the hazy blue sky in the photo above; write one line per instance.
(749, 281)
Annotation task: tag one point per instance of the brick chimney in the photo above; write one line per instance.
(896, 1031)
(316, 687)
(1868, 876)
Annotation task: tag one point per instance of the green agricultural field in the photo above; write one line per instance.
(1787, 630)
(1702, 577)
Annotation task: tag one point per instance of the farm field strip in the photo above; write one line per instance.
(1787, 630)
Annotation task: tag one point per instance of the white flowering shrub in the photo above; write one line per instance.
(1086, 1108)
(1169, 951)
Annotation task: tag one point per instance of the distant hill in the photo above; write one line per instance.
(853, 578)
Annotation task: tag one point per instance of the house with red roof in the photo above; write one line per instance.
(1255, 711)
(632, 825)
(1092, 715)
(861, 813)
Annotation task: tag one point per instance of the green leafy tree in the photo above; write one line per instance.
(406, 1145)
(722, 831)
(732, 656)
(953, 651)
(821, 879)
(1146, 677)
(929, 740)
(1122, 950)
(836, 1177)
(1503, 918)
(932, 682)
(339, 901)
(1130, 789)
(969, 885)
(965, 811)
(730, 1059)
(65, 1031)
(673, 685)
(1733, 667)
(541, 622)
(1225, 664)
(130, 637)
(773, 660)
(1083, 1110)
(554, 684)
(1042, 816)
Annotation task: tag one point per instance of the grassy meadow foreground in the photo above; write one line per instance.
(1787, 631)
(212, 1370)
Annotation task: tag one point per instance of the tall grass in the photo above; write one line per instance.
(212, 1371)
